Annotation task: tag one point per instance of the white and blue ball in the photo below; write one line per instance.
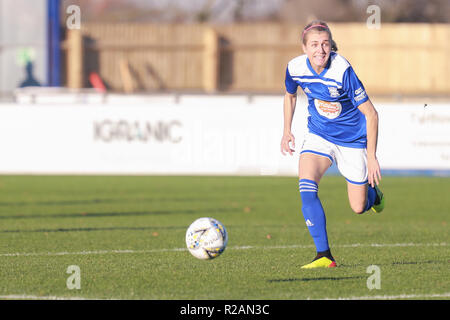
(206, 238)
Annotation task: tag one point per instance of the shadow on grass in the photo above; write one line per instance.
(418, 262)
(94, 229)
(395, 263)
(316, 279)
(115, 214)
(89, 201)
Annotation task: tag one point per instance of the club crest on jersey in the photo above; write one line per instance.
(330, 110)
(334, 93)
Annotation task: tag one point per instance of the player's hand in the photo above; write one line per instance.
(287, 141)
(373, 171)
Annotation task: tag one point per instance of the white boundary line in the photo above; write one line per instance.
(400, 296)
(355, 245)
(94, 252)
(31, 297)
(385, 297)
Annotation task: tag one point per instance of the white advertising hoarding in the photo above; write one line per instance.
(197, 135)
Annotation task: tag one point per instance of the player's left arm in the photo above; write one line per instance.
(373, 166)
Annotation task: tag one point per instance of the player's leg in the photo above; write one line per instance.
(352, 163)
(312, 167)
(360, 196)
(378, 204)
(365, 197)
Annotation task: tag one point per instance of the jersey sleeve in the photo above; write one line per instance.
(291, 85)
(354, 88)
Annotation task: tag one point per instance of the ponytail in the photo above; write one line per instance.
(334, 46)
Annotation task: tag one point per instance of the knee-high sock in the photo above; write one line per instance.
(371, 197)
(313, 213)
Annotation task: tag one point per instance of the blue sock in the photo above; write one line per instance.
(313, 213)
(371, 197)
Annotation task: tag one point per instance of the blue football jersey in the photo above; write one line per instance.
(333, 99)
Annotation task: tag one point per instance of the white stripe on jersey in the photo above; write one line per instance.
(328, 83)
(298, 68)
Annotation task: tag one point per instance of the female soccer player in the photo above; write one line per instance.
(342, 127)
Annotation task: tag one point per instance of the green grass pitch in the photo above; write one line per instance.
(126, 235)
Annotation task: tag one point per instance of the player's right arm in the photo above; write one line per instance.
(288, 139)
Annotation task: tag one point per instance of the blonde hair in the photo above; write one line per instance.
(319, 25)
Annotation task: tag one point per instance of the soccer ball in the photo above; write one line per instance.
(206, 238)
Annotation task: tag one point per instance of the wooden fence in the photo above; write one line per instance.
(403, 59)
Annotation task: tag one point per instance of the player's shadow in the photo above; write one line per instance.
(394, 263)
(315, 279)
